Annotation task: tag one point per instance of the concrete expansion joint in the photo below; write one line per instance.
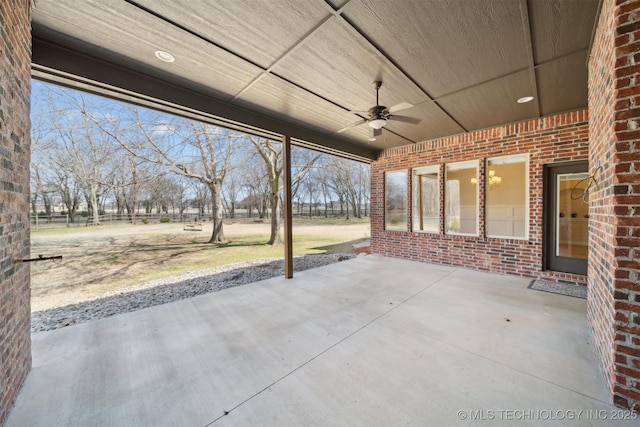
(326, 350)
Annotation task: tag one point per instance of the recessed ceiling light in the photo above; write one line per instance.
(164, 56)
(525, 99)
(371, 139)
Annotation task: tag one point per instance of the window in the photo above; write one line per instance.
(507, 201)
(426, 199)
(461, 198)
(395, 200)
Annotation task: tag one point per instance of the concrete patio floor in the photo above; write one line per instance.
(370, 341)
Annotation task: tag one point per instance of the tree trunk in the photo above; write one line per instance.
(93, 202)
(354, 207)
(47, 204)
(69, 204)
(34, 206)
(217, 236)
(325, 205)
(263, 210)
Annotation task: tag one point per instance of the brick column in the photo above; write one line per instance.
(614, 243)
(15, 88)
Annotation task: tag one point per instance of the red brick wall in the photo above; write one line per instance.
(560, 138)
(614, 252)
(15, 87)
(600, 300)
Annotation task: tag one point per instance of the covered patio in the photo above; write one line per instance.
(555, 81)
(370, 341)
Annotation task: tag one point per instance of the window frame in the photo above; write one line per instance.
(460, 165)
(415, 197)
(527, 210)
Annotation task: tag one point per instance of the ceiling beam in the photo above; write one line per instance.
(58, 64)
(285, 55)
(526, 32)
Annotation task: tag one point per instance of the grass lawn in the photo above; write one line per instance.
(97, 259)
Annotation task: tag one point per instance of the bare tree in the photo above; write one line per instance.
(323, 177)
(176, 194)
(360, 185)
(154, 194)
(271, 154)
(129, 178)
(201, 199)
(69, 193)
(87, 158)
(42, 188)
(338, 182)
(256, 189)
(311, 188)
(88, 152)
(77, 153)
(188, 148)
(231, 190)
(350, 182)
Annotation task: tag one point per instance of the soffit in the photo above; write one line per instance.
(300, 66)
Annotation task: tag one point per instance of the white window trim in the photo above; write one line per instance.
(414, 173)
(506, 160)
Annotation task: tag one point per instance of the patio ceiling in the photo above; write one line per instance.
(298, 67)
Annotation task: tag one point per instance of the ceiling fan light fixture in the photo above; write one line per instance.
(377, 123)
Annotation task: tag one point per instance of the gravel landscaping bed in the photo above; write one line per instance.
(161, 291)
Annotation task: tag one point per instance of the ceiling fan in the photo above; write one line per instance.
(379, 114)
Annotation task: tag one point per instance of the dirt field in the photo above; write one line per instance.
(104, 258)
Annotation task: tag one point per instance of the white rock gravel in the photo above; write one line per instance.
(162, 291)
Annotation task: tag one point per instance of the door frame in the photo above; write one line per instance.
(550, 261)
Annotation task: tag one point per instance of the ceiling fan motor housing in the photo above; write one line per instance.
(378, 112)
(378, 115)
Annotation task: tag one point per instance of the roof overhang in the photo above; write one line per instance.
(300, 68)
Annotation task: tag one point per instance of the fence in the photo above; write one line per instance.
(50, 221)
(59, 220)
(114, 218)
(56, 220)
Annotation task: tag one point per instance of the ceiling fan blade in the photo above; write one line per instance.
(406, 119)
(359, 112)
(399, 107)
(359, 122)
